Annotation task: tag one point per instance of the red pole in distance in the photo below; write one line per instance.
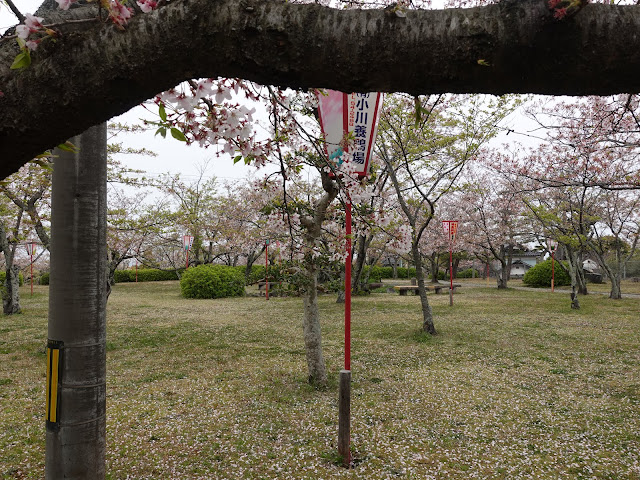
(450, 273)
(266, 268)
(32, 270)
(347, 293)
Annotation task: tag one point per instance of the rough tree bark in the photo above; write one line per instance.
(11, 287)
(94, 71)
(575, 263)
(75, 446)
(505, 256)
(434, 260)
(311, 318)
(427, 314)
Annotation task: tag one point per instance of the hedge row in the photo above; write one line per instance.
(145, 275)
(377, 273)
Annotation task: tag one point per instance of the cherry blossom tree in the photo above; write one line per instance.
(494, 214)
(594, 146)
(24, 205)
(426, 153)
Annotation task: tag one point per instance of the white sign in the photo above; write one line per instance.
(349, 123)
(450, 228)
(187, 242)
(31, 248)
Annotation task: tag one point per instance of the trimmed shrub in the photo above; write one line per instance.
(212, 281)
(44, 278)
(3, 276)
(467, 273)
(257, 272)
(540, 275)
(145, 275)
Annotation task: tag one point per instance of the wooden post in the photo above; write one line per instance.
(344, 417)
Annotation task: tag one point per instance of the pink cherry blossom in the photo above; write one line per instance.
(65, 4)
(32, 44)
(147, 5)
(119, 13)
(31, 24)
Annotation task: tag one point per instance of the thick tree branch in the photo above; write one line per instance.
(94, 71)
(15, 10)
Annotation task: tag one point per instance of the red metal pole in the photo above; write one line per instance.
(266, 269)
(347, 294)
(32, 271)
(450, 274)
(552, 271)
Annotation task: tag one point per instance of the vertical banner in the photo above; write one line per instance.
(349, 123)
(552, 245)
(187, 243)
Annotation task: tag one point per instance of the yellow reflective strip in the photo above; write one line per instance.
(48, 382)
(54, 385)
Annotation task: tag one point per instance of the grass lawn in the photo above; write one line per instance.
(516, 385)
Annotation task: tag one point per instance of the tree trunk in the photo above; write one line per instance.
(575, 303)
(11, 295)
(394, 266)
(251, 258)
(311, 320)
(572, 260)
(456, 264)
(435, 264)
(312, 332)
(427, 313)
(11, 290)
(358, 282)
(616, 291)
(75, 444)
(614, 277)
(505, 265)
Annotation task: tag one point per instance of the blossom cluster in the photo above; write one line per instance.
(205, 111)
(31, 31)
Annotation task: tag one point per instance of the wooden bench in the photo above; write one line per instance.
(403, 289)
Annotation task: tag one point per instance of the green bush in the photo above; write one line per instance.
(212, 281)
(540, 275)
(257, 272)
(467, 273)
(44, 278)
(145, 275)
(3, 276)
(377, 273)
